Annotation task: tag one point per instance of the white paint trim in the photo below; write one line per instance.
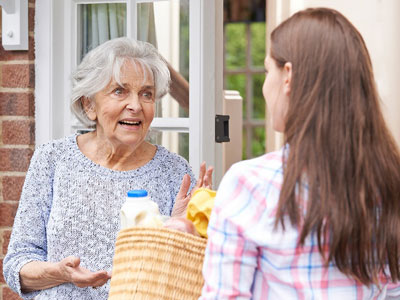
(149, 1)
(131, 17)
(43, 71)
(195, 91)
(205, 91)
(171, 124)
(96, 1)
(14, 24)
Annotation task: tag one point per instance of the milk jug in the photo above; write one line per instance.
(139, 210)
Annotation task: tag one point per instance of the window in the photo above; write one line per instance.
(244, 53)
(244, 72)
(158, 23)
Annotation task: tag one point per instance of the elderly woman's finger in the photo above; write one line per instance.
(182, 198)
(208, 178)
(202, 172)
(100, 279)
(185, 185)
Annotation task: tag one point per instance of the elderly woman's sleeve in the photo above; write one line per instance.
(28, 239)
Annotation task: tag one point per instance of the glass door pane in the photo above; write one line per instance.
(98, 23)
(165, 24)
(174, 141)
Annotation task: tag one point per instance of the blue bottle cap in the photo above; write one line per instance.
(137, 193)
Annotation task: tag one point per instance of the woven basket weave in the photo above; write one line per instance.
(157, 263)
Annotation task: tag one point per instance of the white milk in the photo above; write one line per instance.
(139, 210)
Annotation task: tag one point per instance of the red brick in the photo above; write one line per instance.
(18, 132)
(17, 104)
(1, 273)
(18, 55)
(8, 294)
(18, 75)
(12, 187)
(7, 213)
(31, 19)
(15, 159)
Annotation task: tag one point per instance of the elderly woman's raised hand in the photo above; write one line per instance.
(183, 197)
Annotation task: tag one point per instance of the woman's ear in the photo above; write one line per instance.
(88, 106)
(287, 69)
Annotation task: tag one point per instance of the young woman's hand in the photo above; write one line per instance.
(181, 224)
(183, 197)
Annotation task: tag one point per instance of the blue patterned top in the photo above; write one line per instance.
(70, 206)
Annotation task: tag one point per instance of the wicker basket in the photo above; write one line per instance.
(157, 263)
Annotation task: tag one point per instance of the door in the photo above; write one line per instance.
(187, 33)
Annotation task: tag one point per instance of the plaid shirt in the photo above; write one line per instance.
(247, 259)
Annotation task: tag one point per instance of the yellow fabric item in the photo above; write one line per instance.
(199, 209)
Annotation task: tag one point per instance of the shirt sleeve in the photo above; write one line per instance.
(393, 291)
(28, 238)
(231, 257)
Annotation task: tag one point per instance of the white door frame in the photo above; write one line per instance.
(206, 75)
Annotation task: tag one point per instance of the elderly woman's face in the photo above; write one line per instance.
(123, 113)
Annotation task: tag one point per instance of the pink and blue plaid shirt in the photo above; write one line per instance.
(247, 259)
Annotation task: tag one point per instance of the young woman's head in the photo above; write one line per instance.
(326, 69)
(327, 105)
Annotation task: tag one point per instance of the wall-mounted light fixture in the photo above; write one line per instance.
(14, 24)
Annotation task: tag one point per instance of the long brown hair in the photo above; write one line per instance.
(339, 147)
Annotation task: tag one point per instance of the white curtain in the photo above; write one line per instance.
(100, 23)
(146, 28)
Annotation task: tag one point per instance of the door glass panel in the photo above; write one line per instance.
(165, 24)
(235, 46)
(258, 98)
(98, 23)
(258, 141)
(174, 141)
(258, 35)
(238, 83)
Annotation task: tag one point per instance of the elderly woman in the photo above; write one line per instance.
(63, 238)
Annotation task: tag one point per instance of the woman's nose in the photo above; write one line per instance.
(134, 104)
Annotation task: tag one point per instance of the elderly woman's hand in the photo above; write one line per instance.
(73, 272)
(39, 275)
(183, 197)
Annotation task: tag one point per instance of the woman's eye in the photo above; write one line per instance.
(147, 95)
(118, 91)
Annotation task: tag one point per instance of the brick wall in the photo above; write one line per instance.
(17, 134)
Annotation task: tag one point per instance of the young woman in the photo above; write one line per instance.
(319, 219)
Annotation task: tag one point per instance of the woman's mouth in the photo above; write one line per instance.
(130, 123)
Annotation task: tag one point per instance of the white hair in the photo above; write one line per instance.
(103, 64)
